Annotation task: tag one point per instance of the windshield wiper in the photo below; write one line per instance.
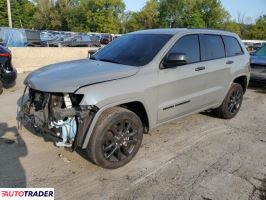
(110, 60)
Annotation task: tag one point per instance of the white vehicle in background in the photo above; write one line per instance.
(253, 45)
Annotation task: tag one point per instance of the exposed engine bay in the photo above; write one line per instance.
(58, 115)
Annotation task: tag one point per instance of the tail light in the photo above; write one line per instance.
(5, 55)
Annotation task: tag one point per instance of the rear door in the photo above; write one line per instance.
(235, 57)
(217, 70)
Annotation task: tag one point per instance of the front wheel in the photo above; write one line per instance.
(116, 138)
(232, 103)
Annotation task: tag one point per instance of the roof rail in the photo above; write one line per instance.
(214, 29)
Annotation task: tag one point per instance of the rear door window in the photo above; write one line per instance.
(211, 47)
(232, 46)
(188, 45)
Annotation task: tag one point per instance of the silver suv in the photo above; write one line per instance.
(141, 80)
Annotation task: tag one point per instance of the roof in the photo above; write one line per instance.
(174, 31)
(168, 31)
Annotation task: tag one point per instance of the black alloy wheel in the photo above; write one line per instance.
(232, 103)
(116, 138)
(120, 141)
(235, 101)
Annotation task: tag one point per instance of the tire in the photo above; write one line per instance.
(232, 103)
(1, 87)
(116, 138)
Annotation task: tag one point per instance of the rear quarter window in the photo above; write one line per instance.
(232, 46)
(211, 47)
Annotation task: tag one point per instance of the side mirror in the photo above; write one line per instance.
(174, 60)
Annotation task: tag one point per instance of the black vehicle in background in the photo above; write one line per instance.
(106, 39)
(8, 73)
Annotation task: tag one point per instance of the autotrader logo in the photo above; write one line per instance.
(27, 193)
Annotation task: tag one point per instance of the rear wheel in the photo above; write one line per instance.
(116, 139)
(232, 102)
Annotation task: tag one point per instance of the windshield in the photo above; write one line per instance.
(133, 49)
(261, 51)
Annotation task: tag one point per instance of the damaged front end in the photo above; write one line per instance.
(58, 114)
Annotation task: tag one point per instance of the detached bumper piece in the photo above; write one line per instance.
(58, 115)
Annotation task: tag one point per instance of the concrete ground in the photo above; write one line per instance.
(197, 157)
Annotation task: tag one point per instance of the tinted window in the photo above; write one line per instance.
(188, 45)
(232, 47)
(211, 47)
(261, 51)
(133, 49)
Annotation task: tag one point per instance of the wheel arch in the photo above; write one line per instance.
(135, 105)
(243, 81)
(138, 108)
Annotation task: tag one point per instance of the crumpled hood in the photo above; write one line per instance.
(260, 60)
(67, 77)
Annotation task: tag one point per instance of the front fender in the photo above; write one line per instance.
(117, 92)
(100, 111)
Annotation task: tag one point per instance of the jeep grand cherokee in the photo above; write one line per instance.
(141, 80)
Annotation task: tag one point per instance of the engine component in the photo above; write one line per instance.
(58, 115)
(67, 127)
(68, 130)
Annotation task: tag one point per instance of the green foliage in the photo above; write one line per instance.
(109, 16)
(258, 31)
(212, 13)
(22, 13)
(148, 17)
(131, 22)
(232, 26)
(3, 13)
(83, 15)
(52, 15)
(192, 13)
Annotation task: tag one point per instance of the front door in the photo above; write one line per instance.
(182, 89)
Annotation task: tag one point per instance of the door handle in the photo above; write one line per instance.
(200, 68)
(229, 62)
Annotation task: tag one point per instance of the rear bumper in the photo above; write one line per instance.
(258, 75)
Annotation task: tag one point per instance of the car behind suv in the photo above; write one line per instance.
(258, 65)
(8, 73)
(106, 39)
(141, 80)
